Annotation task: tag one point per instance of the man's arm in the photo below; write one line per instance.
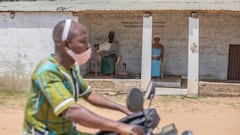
(98, 100)
(81, 115)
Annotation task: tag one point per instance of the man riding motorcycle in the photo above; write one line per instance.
(52, 107)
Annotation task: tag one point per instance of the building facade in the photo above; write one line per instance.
(25, 35)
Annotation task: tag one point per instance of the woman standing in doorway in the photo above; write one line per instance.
(157, 57)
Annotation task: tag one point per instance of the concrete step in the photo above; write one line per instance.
(168, 81)
(168, 84)
(170, 91)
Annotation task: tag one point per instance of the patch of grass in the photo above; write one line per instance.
(195, 97)
(12, 98)
(165, 99)
(183, 97)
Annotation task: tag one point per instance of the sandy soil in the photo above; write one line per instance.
(205, 116)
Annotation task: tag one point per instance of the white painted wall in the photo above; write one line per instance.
(25, 40)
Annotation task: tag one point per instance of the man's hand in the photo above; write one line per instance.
(138, 130)
(126, 111)
(159, 58)
(96, 47)
(131, 130)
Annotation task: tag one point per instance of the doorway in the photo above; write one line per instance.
(234, 62)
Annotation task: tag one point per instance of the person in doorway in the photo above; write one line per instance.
(108, 55)
(157, 57)
(52, 107)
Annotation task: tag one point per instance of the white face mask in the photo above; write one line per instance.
(81, 58)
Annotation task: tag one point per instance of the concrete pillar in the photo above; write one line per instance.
(146, 50)
(193, 55)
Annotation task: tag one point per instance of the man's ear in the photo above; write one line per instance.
(66, 43)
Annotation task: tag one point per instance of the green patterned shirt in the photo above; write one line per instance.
(54, 89)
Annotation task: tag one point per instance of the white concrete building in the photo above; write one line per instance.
(201, 38)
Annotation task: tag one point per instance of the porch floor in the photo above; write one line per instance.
(102, 76)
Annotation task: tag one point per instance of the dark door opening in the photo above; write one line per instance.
(234, 62)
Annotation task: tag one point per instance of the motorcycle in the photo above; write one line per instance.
(148, 119)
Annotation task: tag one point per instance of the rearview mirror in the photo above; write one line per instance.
(135, 100)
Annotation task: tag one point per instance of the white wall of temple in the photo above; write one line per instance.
(25, 40)
(217, 31)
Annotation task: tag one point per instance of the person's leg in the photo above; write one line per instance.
(162, 66)
(156, 68)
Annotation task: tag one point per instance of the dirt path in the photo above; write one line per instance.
(205, 116)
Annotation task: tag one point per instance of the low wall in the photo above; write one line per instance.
(219, 89)
(113, 86)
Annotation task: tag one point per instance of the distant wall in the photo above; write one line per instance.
(25, 40)
(128, 32)
(128, 28)
(217, 31)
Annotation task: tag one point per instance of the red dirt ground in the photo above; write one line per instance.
(205, 116)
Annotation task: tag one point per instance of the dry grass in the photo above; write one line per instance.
(12, 98)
